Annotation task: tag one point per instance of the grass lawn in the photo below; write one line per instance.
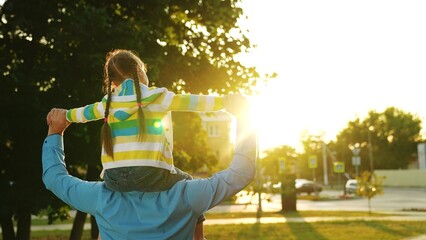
(339, 230)
(347, 230)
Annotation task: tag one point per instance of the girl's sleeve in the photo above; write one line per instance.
(91, 112)
(192, 102)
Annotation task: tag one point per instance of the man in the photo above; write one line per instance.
(170, 214)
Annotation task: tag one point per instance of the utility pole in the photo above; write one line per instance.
(324, 162)
(370, 149)
(259, 180)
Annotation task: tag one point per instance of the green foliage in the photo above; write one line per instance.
(393, 135)
(313, 145)
(269, 163)
(191, 152)
(61, 213)
(369, 186)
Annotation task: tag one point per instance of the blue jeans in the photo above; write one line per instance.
(144, 179)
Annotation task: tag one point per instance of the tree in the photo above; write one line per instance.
(191, 152)
(369, 185)
(52, 56)
(392, 135)
(270, 165)
(279, 166)
(313, 146)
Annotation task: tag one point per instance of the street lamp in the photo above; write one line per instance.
(356, 159)
(370, 148)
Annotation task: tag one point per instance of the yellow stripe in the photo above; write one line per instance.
(201, 104)
(74, 115)
(132, 155)
(147, 138)
(218, 103)
(97, 113)
(123, 104)
(136, 155)
(176, 102)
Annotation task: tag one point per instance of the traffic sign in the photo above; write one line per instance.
(356, 160)
(312, 162)
(339, 167)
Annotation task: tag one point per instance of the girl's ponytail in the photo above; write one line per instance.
(141, 115)
(106, 134)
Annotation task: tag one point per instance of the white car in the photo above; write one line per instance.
(351, 186)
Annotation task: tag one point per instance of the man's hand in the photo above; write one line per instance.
(57, 121)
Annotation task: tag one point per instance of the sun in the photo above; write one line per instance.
(274, 117)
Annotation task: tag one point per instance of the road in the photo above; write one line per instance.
(393, 199)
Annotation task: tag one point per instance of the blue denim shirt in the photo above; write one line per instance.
(170, 214)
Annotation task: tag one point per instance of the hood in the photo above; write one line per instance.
(124, 105)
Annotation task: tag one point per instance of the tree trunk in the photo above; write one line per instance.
(7, 228)
(78, 226)
(288, 193)
(24, 226)
(94, 233)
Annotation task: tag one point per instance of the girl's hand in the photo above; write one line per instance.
(237, 105)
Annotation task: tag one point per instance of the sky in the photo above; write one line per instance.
(336, 60)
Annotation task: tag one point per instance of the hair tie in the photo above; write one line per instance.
(105, 119)
(139, 104)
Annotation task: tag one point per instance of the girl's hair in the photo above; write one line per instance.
(120, 65)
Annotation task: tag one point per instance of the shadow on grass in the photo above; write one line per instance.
(302, 230)
(384, 228)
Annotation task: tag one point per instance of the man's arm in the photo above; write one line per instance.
(204, 194)
(79, 194)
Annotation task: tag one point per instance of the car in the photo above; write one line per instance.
(307, 186)
(303, 186)
(351, 186)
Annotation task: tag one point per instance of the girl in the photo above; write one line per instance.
(137, 133)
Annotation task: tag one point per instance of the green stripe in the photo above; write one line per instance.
(151, 98)
(69, 115)
(184, 104)
(154, 125)
(125, 124)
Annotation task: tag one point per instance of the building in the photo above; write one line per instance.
(218, 126)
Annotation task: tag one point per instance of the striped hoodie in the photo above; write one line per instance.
(156, 148)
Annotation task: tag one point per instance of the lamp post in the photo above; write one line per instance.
(370, 149)
(259, 178)
(324, 162)
(356, 159)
